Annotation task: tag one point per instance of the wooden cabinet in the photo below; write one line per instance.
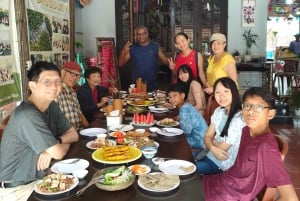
(164, 18)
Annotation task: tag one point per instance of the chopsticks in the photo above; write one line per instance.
(116, 95)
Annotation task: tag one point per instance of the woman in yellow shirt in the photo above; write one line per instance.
(220, 64)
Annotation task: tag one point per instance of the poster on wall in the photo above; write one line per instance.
(10, 89)
(48, 30)
(248, 13)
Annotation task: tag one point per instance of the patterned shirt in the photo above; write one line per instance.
(69, 105)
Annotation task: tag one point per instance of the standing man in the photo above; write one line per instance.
(295, 45)
(144, 56)
(36, 133)
(67, 99)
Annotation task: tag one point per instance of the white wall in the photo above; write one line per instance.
(235, 29)
(95, 20)
(98, 20)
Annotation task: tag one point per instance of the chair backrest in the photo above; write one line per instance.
(290, 66)
(269, 194)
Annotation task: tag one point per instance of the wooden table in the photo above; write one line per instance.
(190, 189)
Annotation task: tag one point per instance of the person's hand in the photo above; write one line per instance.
(219, 153)
(127, 46)
(209, 90)
(171, 63)
(43, 161)
(112, 90)
(102, 102)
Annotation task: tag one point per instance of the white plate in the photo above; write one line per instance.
(122, 127)
(68, 168)
(143, 125)
(163, 177)
(92, 132)
(88, 145)
(146, 167)
(75, 183)
(158, 109)
(177, 167)
(176, 123)
(170, 132)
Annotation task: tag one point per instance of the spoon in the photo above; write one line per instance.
(69, 161)
(92, 182)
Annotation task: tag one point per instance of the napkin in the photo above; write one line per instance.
(114, 113)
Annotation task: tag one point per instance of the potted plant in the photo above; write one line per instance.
(295, 101)
(250, 39)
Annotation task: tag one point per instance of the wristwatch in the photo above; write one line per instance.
(59, 140)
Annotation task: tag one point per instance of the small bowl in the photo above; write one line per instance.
(158, 160)
(140, 130)
(102, 135)
(149, 151)
(80, 174)
(153, 129)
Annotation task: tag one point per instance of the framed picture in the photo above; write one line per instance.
(248, 13)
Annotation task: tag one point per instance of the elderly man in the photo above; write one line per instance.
(67, 99)
(144, 56)
(36, 133)
(295, 45)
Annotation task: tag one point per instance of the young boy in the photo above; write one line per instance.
(258, 162)
(191, 121)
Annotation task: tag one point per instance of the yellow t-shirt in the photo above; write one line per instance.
(217, 70)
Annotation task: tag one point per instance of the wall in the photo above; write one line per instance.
(95, 20)
(98, 20)
(235, 30)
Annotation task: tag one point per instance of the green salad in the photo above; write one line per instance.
(119, 175)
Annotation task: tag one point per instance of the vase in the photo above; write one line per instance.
(247, 57)
(297, 111)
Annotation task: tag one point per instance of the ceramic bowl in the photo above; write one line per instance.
(80, 174)
(140, 130)
(102, 135)
(149, 151)
(153, 129)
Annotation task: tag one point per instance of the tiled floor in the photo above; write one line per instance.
(292, 159)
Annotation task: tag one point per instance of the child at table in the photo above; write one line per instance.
(258, 163)
(222, 138)
(191, 121)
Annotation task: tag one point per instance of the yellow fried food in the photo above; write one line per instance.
(120, 152)
(118, 157)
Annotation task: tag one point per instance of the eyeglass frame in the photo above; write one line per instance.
(49, 83)
(72, 73)
(256, 108)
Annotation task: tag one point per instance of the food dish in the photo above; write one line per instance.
(134, 152)
(116, 133)
(177, 167)
(143, 125)
(158, 182)
(170, 132)
(142, 102)
(135, 109)
(122, 127)
(75, 181)
(92, 132)
(68, 166)
(169, 124)
(140, 169)
(158, 109)
(91, 144)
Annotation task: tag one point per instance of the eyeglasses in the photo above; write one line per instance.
(49, 83)
(256, 108)
(217, 43)
(141, 34)
(73, 74)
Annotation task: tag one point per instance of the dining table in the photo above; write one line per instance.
(190, 188)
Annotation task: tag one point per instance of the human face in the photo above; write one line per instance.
(142, 36)
(255, 119)
(218, 47)
(47, 87)
(183, 76)
(70, 77)
(94, 80)
(176, 98)
(182, 43)
(223, 96)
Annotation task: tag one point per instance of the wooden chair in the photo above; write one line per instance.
(269, 194)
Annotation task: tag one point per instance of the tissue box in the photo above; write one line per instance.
(113, 120)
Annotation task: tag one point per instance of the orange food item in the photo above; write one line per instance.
(138, 169)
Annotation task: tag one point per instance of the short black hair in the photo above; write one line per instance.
(36, 69)
(91, 70)
(264, 93)
(178, 87)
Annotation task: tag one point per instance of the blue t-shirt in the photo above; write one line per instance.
(193, 125)
(144, 63)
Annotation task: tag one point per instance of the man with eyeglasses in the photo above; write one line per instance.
(144, 56)
(67, 99)
(258, 163)
(36, 133)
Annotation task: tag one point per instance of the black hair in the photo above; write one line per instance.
(91, 70)
(36, 69)
(265, 94)
(186, 69)
(181, 34)
(178, 87)
(236, 104)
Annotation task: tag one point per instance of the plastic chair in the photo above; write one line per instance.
(269, 194)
